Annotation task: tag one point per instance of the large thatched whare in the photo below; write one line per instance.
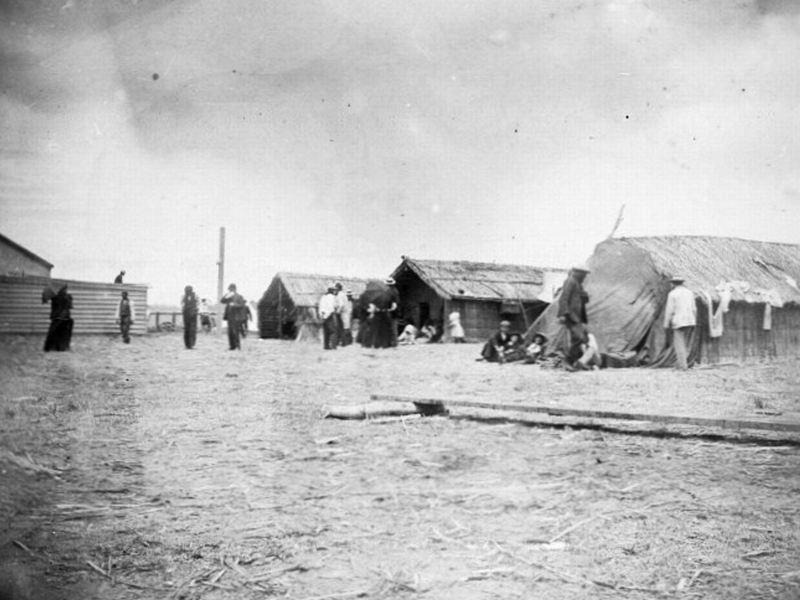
(630, 278)
(288, 308)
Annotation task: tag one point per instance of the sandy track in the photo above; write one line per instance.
(209, 474)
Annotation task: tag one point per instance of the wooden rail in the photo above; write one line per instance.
(596, 414)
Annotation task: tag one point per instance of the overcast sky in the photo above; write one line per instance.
(335, 136)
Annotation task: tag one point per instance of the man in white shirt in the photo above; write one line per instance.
(327, 314)
(681, 317)
(341, 305)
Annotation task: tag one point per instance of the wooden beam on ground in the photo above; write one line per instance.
(554, 411)
(375, 410)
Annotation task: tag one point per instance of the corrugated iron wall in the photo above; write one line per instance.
(93, 305)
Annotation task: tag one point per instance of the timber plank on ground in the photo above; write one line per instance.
(555, 411)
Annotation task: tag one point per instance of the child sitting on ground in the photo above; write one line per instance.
(536, 349)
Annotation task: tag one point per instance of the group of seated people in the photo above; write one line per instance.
(505, 346)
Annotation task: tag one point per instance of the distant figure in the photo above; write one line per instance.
(409, 335)
(234, 314)
(341, 304)
(59, 335)
(347, 318)
(493, 350)
(244, 327)
(376, 305)
(535, 350)
(124, 316)
(205, 316)
(189, 309)
(393, 314)
(591, 360)
(572, 303)
(327, 314)
(456, 330)
(429, 332)
(680, 317)
(118, 278)
(514, 349)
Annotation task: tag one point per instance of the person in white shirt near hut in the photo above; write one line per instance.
(327, 314)
(341, 305)
(346, 313)
(680, 316)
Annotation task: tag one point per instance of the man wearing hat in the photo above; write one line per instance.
(234, 314)
(328, 316)
(126, 312)
(494, 349)
(572, 313)
(394, 314)
(680, 317)
(346, 313)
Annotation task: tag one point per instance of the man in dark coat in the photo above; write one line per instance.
(494, 349)
(572, 313)
(124, 317)
(234, 314)
(60, 333)
(189, 310)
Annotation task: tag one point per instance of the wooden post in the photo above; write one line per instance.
(280, 310)
(221, 263)
(220, 275)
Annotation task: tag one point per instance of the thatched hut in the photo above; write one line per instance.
(288, 308)
(629, 283)
(483, 293)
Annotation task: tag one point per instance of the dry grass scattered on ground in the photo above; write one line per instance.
(149, 471)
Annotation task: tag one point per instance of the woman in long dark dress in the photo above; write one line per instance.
(60, 332)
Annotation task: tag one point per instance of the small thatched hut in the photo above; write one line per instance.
(288, 308)
(630, 280)
(483, 293)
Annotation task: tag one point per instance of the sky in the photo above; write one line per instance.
(336, 136)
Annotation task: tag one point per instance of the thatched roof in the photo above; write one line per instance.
(483, 281)
(306, 289)
(706, 262)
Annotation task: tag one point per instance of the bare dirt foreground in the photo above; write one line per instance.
(149, 471)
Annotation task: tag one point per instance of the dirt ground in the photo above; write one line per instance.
(150, 471)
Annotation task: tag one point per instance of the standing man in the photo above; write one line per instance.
(395, 312)
(124, 317)
(347, 319)
(680, 316)
(234, 312)
(572, 314)
(327, 314)
(118, 278)
(189, 310)
(341, 306)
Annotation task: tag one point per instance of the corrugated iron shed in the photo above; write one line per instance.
(482, 281)
(94, 305)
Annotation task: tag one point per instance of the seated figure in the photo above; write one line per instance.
(536, 349)
(493, 350)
